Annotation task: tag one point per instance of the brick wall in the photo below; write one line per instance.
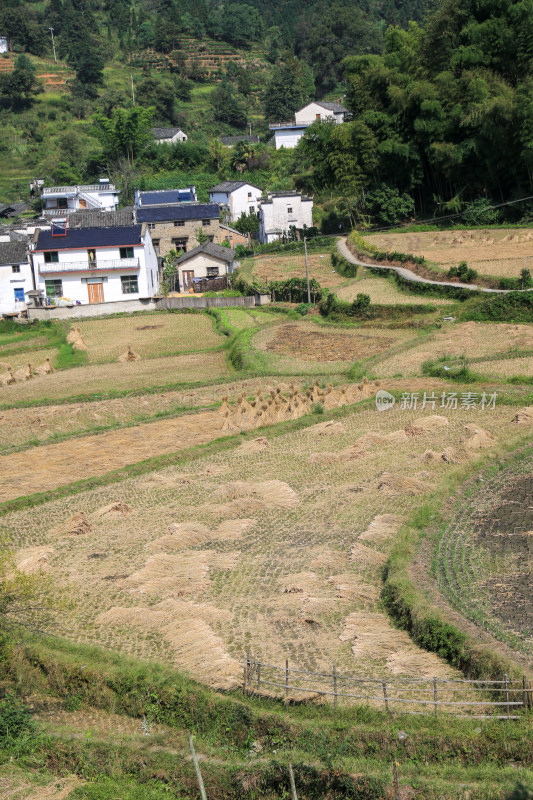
(166, 232)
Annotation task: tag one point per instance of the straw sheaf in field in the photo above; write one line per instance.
(501, 253)
(23, 367)
(119, 376)
(261, 550)
(470, 339)
(149, 336)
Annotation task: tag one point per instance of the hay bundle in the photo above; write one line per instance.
(45, 369)
(75, 338)
(7, 377)
(348, 586)
(477, 438)
(118, 507)
(402, 484)
(32, 560)
(328, 428)
(166, 575)
(23, 374)
(78, 524)
(382, 528)
(366, 557)
(424, 425)
(524, 416)
(224, 407)
(269, 493)
(258, 445)
(129, 355)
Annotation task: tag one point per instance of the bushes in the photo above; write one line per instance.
(463, 272)
(343, 266)
(512, 307)
(294, 290)
(15, 719)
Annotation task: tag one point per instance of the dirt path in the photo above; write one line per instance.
(412, 276)
(47, 467)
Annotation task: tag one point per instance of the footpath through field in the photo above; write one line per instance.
(409, 275)
(49, 466)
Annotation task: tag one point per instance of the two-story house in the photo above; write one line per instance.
(61, 200)
(15, 276)
(165, 197)
(235, 198)
(282, 211)
(288, 134)
(178, 226)
(95, 265)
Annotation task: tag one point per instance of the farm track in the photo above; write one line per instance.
(409, 275)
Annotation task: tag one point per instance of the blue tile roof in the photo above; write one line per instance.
(165, 196)
(170, 213)
(119, 236)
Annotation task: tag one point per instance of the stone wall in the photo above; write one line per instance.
(130, 306)
(165, 232)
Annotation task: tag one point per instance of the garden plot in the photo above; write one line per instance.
(101, 378)
(278, 550)
(469, 339)
(284, 267)
(150, 336)
(502, 253)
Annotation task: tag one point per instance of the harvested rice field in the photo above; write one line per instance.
(502, 253)
(150, 336)
(275, 546)
(505, 367)
(119, 376)
(383, 292)
(280, 268)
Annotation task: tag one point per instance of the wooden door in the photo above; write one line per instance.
(96, 292)
(188, 275)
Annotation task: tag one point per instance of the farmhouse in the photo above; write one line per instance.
(165, 197)
(95, 265)
(288, 134)
(177, 227)
(235, 198)
(204, 264)
(169, 135)
(61, 200)
(282, 211)
(15, 277)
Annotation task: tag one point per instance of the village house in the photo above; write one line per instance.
(288, 134)
(95, 265)
(61, 200)
(203, 265)
(235, 198)
(177, 227)
(165, 197)
(16, 277)
(169, 135)
(282, 211)
(232, 236)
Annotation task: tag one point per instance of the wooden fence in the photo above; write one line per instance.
(475, 699)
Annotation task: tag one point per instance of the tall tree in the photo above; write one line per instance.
(126, 132)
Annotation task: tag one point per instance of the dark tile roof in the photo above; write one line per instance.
(13, 209)
(165, 133)
(230, 186)
(119, 236)
(274, 195)
(13, 253)
(182, 212)
(165, 197)
(231, 140)
(101, 219)
(211, 249)
(335, 107)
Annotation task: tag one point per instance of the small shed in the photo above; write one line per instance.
(169, 135)
(206, 262)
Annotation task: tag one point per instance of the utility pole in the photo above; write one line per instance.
(250, 128)
(132, 90)
(53, 43)
(307, 272)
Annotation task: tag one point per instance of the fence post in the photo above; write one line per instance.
(506, 678)
(395, 779)
(286, 680)
(385, 698)
(293, 784)
(334, 686)
(196, 767)
(435, 694)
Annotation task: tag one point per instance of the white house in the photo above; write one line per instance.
(169, 135)
(288, 134)
(4, 44)
(165, 197)
(58, 200)
(208, 260)
(15, 277)
(235, 198)
(282, 211)
(96, 265)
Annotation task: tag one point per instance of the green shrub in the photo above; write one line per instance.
(343, 266)
(303, 308)
(463, 272)
(317, 408)
(15, 718)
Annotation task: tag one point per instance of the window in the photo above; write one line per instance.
(179, 223)
(317, 116)
(212, 272)
(126, 252)
(19, 295)
(289, 210)
(252, 209)
(151, 226)
(129, 284)
(249, 194)
(15, 268)
(62, 202)
(210, 238)
(180, 244)
(51, 257)
(54, 288)
(206, 222)
(155, 242)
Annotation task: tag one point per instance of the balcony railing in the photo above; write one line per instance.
(93, 187)
(89, 266)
